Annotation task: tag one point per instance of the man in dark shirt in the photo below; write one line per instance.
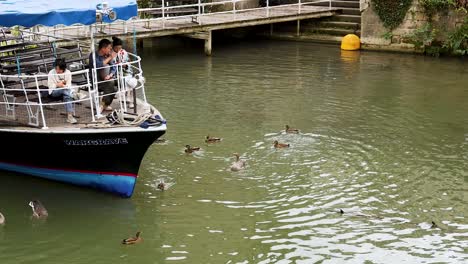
(105, 73)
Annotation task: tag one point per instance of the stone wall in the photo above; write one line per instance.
(375, 36)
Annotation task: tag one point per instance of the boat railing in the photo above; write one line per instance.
(25, 99)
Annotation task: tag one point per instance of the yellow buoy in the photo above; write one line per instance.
(350, 42)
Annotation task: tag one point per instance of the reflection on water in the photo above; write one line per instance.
(383, 138)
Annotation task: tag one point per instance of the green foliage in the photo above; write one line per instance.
(391, 12)
(423, 39)
(433, 6)
(423, 36)
(457, 41)
(388, 35)
(143, 3)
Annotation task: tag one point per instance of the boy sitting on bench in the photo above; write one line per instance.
(57, 81)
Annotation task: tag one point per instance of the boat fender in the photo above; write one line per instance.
(144, 125)
(160, 119)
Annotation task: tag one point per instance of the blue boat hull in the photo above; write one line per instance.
(104, 160)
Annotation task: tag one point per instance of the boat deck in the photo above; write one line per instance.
(55, 114)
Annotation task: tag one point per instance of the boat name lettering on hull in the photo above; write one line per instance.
(96, 142)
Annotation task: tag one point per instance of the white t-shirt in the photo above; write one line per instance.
(54, 78)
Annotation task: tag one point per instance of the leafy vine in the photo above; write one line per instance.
(392, 12)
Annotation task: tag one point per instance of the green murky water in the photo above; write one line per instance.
(384, 138)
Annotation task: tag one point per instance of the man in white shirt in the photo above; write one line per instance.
(58, 80)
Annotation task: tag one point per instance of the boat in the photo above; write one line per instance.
(103, 150)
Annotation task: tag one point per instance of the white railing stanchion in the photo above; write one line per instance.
(91, 96)
(330, 4)
(299, 7)
(268, 8)
(39, 96)
(199, 11)
(234, 6)
(163, 16)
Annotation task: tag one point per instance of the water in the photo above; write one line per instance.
(384, 138)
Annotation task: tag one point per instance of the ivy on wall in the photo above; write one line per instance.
(433, 6)
(391, 12)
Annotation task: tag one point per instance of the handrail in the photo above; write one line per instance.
(165, 10)
(34, 90)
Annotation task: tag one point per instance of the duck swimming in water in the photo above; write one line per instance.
(161, 185)
(2, 219)
(133, 240)
(238, 164)
(434, 225)
(291, 130)
(212, 139)
(38, 209)
(280, 145)
(189, 149)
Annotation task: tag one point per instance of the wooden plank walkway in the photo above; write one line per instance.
(145, 28)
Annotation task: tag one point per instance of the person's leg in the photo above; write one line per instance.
(108, 89)
(66, 96)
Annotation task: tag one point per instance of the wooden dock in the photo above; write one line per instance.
(198, 25)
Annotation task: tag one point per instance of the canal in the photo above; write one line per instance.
(384, 137)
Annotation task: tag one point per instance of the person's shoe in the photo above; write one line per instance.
(71, 120)
(81, 96)
(103, 108)
(78, 96)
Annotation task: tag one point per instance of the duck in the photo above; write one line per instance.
(38, 209)
(434, 225)
(2, 219)
(161, 185)
(212, 139)
(133, 240)
(341, 212)
(291, 130)
(280, 145)
(238, 164)
(189, 149)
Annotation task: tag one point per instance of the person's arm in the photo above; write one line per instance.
(51, 83)
(113, 69)
(68, 78)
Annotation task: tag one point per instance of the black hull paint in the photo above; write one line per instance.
(102, 157)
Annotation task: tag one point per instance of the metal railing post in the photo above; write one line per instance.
(299, 7)
(234, 6)
(90, 93)
(330, 4)
(268, 8)
(163, 15)
(199, 10)
(39, 96)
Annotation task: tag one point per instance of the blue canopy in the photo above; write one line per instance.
(30, 13)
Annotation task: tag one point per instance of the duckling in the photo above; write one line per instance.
(212, 139)
(38, 209)
(341, 212)
(238, 164)
(133, 240)
(2, 219)
(291, 130)
(434, 225)
(161, 185)
(280, 145)
(189, 149)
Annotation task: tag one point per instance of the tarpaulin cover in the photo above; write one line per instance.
(30, 13)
